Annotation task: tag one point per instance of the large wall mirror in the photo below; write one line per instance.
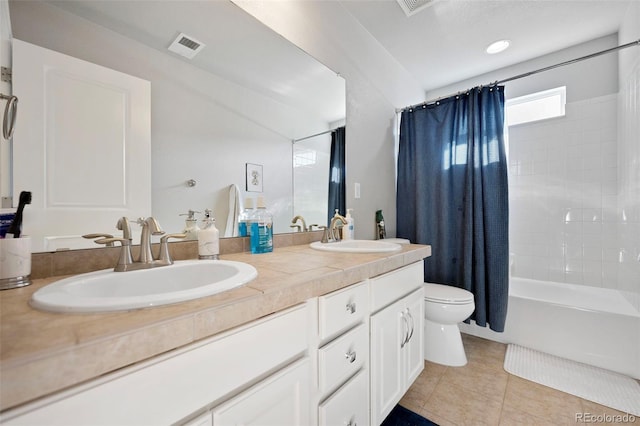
(242, 99)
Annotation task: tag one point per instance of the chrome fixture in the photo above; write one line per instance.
(332, 233)
(101, 236)
(123, 225)
(294, 224)
(165, 257)
(150, 226)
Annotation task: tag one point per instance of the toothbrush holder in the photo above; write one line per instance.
(15, 262)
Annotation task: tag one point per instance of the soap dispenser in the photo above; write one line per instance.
(190, 225)
(349, 230)
(208, 238)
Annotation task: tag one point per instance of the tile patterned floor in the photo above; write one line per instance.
(482, 393)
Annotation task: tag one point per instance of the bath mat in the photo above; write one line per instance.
(591, 383)
(401, 416)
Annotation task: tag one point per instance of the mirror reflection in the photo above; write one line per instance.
(242, 99)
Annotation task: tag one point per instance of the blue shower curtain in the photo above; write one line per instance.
(337, 174)
(452, 194)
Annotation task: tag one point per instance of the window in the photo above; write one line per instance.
(304, 157)
(536, 106)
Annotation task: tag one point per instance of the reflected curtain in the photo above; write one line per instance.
(337, 183)
(452, 194)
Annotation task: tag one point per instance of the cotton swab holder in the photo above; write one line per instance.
(15, 262)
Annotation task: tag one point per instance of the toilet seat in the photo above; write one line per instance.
(447, 294)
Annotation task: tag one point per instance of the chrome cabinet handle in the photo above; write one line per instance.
(351, 307)
(412, 325)
(10, 113)
(405, 339)
(350, 356)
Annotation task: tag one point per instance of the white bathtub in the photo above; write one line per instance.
(596, 326)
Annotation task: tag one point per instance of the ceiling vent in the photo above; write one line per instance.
(411, 7)
(186, 46)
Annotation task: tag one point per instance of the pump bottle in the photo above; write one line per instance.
(208, 238)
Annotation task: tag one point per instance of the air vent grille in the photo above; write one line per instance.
(411, 7)
(186, 46)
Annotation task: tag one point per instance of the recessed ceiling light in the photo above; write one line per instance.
(498, 46)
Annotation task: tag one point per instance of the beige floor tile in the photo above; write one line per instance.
(511, 417)
(463, 406)
(483, 381)
(439, 420)
(541, 401)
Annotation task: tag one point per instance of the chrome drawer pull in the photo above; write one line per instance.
(350, 356)
(351, 307)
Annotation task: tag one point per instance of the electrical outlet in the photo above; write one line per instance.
(356, 190)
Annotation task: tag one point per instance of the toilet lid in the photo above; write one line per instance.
(447, 294)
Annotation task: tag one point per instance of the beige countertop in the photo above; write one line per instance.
(42, 353)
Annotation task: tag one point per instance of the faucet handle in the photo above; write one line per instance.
(93, 236)
(125, 260)
(165, 256)
(325, 234)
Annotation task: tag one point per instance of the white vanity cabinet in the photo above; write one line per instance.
(260, 363)
(343, 356)
(397, 349)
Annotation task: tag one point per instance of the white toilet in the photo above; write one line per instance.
(444, 307)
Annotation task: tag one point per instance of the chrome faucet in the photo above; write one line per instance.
(302, 228)
(150, 226)
(332, 233)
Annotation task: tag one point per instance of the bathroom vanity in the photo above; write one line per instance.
(317, 338)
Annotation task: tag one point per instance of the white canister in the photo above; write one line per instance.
(15, 262)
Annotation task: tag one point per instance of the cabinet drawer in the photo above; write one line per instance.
(342, 309)
(391, 286)
(349, 405)
(341, 358)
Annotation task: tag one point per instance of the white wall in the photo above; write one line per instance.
(311, 181)
(195, 120)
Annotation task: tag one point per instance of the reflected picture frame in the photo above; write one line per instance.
(254, 177)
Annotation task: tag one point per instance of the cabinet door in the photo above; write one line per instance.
(414, 348)
(349, 406)
(282, 399)
(388, 332)
(82, 145)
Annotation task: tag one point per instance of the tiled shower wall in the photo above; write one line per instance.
(629, 178)
(563, 196)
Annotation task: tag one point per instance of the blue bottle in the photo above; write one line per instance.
(261, 229)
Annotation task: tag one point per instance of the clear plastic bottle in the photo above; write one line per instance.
(261, 229)
(348, 231)
(244, 218)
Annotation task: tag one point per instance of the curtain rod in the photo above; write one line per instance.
(313, 136)
(527, 74)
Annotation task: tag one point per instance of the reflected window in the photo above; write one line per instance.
(305, 157)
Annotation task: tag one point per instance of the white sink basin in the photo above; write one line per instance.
(106, 290)
(357, 246)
